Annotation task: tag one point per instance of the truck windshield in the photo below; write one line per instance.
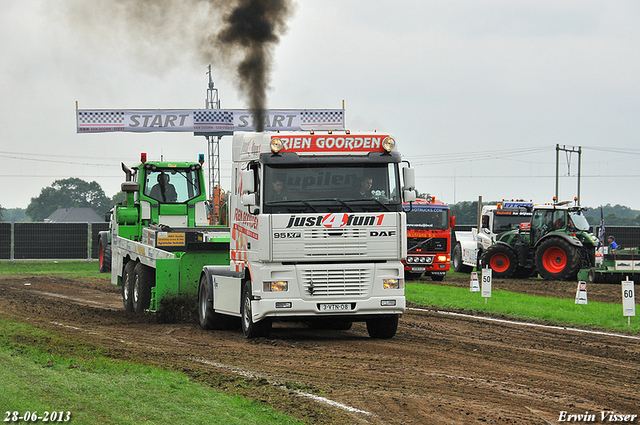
(329, 188)
(427, 218)
(579, 221)
(172, 185)
(505, 223)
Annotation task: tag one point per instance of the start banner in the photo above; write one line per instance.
(222, 121)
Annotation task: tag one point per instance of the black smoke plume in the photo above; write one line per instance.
(254, 26)
(236, 36)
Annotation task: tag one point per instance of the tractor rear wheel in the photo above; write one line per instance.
(501, 259)
(557, 259)
(104, 256)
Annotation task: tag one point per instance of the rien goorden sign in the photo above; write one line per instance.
(332, 143)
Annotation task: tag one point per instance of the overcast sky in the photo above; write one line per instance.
(477, 93)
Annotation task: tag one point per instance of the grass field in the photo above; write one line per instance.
(66, 268)
(594, 315)
(41, 372)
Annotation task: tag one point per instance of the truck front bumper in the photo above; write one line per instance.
(353, 310)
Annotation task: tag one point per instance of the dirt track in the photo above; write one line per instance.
(440, 368)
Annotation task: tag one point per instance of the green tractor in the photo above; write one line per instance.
(556, 244)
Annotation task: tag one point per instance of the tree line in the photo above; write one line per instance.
(66, 193)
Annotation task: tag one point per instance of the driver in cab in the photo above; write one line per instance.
(164, 191)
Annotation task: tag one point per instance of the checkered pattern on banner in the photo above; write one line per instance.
(308, 118)
(213, 116)
(101, 118)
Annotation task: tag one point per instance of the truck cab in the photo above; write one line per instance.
(429, 224)
(318, 231)
(495, 220)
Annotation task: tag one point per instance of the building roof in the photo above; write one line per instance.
(74, 215)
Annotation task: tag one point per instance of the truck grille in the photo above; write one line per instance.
(335, 242)
(434, 244)
(339, 282)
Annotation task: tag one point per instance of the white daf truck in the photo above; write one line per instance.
(495, 219)
(318, 234)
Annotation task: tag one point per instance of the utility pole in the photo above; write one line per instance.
(213, 148)
(577, 150)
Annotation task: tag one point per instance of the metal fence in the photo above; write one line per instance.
(626, 236)
(79, 241)
(50, 241)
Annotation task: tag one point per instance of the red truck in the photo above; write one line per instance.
(429, 224)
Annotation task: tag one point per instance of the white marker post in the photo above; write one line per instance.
(475, 286)
(628, 300)
(581, 293)
(486, 284)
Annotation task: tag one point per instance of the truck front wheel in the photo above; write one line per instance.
(207, 316)
(142, 283)
(557, 259)
(456, 258)
(127, 285)
(252, 329)
(383, 327)
(501, 259)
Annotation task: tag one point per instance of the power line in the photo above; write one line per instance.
(503, 176)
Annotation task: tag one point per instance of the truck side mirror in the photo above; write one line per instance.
(249, 199)
(409, 177)
(248, 181)
(409, 195)
(485, 221)
(452, 221)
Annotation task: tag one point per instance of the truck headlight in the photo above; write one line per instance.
(393, 283)
(276, 145)
(277, 286)
(442, 259)
(388, 143)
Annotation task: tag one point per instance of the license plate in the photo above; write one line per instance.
(418, 269)
(335, 307)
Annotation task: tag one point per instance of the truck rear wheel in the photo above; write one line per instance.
(557, 259)
(142, 283)
(252, 329)
(127, 285)
(456, 258)
(501, 259)
(383, 327)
